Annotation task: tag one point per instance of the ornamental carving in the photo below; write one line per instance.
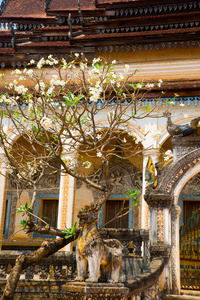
(192, 186)
(123, 176)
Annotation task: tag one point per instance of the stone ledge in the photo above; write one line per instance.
(146, 279)
(73, 290)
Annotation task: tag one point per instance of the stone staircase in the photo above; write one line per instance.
(185, 295)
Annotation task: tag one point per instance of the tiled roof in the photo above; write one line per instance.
(24, 9)
(71, 5)
(46, 44)
(6, 50)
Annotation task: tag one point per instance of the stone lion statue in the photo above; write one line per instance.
(103, 257)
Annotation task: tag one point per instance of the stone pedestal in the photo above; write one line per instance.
(95, 291)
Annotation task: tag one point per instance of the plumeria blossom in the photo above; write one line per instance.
(167, 155)
(156, 134)
(28, 72)
(149, 85)
(185, 116)
(87, 164)
(20, 89)
(95, 92)
(16, 72)
(99, 154)
(127, 67)
(46, 122)
(160, 82)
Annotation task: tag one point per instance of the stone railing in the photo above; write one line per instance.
(60, 268)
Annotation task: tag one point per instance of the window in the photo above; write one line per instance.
(50, 211)
(112, 208)
(46, 207)
(109, 210)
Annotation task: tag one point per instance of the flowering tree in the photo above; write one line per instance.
(58, 122)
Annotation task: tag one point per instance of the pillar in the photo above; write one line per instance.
(175, 255)
(3, 182)
(66, 201)
(160, 233)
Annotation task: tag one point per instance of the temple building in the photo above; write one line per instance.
(161, 39)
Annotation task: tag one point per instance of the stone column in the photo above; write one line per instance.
(160, 232)
(175, 260)
(3, 183)
(66, 201)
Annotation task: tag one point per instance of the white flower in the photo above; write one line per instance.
(46, 122)
(182, 104)
(139, 85)
(96, 60)
(16, 72)
(82, 66)
(20, 89)
(99, 154)
(87, 164)
(2, 75)
(149, 85)
(159, 82)
(40, 63)
(32, 61)
(156, 134)
(167, 155)
(124, 140)
(98, 136)
(76, 54)
(185, 115)
(126, 68)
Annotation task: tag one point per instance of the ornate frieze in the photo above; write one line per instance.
(150, 28)
(181, 146)
(157, 9)
(123, 176)
(149, 46)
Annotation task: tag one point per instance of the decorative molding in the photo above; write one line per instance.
(157, 9)
(151, 28)
(160, 251)
(160, 226)
(158, 200)
(149, 46)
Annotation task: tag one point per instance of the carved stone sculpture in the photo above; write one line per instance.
(104, 257)
(181, 130)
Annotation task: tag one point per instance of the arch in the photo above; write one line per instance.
(172, 179)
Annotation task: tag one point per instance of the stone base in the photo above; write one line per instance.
(96, 291)
(72, 290)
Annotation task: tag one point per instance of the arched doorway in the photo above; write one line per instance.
(189, 238)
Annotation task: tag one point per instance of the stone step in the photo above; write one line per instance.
(181, 297)
(190, 292)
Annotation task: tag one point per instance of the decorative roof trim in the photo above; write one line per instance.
(148, 46)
